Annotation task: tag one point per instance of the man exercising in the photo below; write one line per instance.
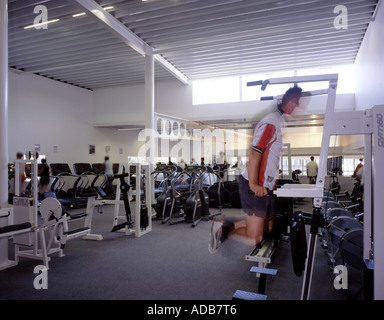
(257, 181)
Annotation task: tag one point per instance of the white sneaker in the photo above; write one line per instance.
(215, 236)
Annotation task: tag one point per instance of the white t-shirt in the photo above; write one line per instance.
(267, 139)
(312, 169)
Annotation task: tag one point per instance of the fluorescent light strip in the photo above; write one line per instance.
(41, 24)
(78, 15)
(83, 13)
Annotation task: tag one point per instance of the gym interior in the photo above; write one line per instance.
(171, 92)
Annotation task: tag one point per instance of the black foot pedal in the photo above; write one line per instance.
(121, 226)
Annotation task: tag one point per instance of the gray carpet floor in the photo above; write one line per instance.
(170, 263)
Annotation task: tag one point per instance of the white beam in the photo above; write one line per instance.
(3, 127)
(175, 72)
(149, 92)
(150, 118)
(3, 103)
(95, 11)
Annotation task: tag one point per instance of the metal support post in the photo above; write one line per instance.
(3, 104)
(150, 118)
(3, 124)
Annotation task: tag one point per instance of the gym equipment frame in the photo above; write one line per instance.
(370, 124)
(142, 174)
(128, 226)
(28, 231)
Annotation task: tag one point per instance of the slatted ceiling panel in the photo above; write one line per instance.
(76, 51)
(248, 26)
(260, 51)
(271, 38)
(200, 38)
(66, 46)
(254, 45)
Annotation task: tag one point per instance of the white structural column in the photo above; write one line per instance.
(3, 103)
(150, 112)
(150, 101)
(3, 124)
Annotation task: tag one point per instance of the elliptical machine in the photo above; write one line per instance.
(196, 205)
(168, 202)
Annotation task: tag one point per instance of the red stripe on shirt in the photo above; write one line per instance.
(263, 164)
(266, 137)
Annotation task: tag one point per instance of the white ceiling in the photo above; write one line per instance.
(201, 38)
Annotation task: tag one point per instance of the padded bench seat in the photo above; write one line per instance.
(75, 216)
(15, 227)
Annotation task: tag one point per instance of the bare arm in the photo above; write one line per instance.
(253, 174)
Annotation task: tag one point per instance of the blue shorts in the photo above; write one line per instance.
(263, 207)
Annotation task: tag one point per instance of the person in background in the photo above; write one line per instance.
(239, 167)
(182, 164)
(22, 175)
(358, 167)
(221, 158)
(360, 180)
(170, 163)
(44, 177)
(312, 169)
(221, 162)
(108, 171)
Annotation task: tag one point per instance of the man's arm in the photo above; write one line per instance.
(253, 173)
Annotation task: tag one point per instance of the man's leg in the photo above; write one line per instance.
(250, 230)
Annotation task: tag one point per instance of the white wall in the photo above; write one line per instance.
(370, 65)
(119, 105)
(126, 105)
(50, 113)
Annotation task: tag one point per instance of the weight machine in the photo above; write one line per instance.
(41, 229)
(370, 124)
(28, 229)
(128, 226)
(143, 205)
